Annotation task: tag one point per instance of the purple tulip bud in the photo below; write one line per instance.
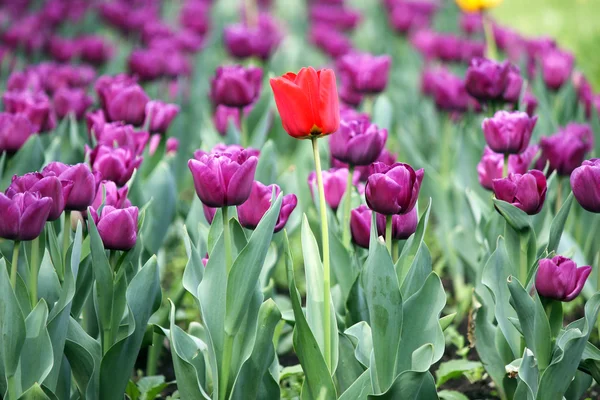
(585, 182)
(470, 49)
(334, 184)
(50, 186)
(566, 149)
(393, 189)
(557, 66)
(95, 50)
(486, 80)
(367, 74)
(526, 191)
(252, 210)
(114, 164)
(410, 15)
(329, 40)
(35, 106)
(172, 145)
(402, 225)
(122, 99)
(115, 197)
(95, 122)
(492, 164)
(448, 47)
(117, 134)
(357, 142)
(15, 129)
(188, 41)
(62, 49)
(360, 225)
(449, 92)
(228, 149)
(146, 64)
(209, 213)
(508, 132)
(385, 157)
(235, 86)
(161, 115)
(514, 85)
(126, 219)
(425, 42)
(195, 16)
(205, 260)
(84, 183)
(560, 279)
(23, 216)
(223, 179)
(260, 40)
(530, 102)
(471, 23)
(74, 101)
(223, 115)
(348, 94)
(28, 80)
(336, 16)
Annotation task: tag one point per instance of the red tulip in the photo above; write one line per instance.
(307, 102)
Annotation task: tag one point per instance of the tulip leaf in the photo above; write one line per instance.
(29, 158)
(266, 169)
(383, 112)
(360, 389)
(143, 299)
(84, 355)
(36, 355)
(349, 368)
(315, 286)
(528, 377)
(515, 217)
(194, 269)
(417, 385)
(215, 231)
(342, 266)
(385, 305)
(419, 270)
(571, 344)
(453, 369)
(318, 382)
(558, 224)
(2, 163)
(245, 271)
(534, 323)
(362, 340)
(160, 186)
(36, 392)
(406, 261)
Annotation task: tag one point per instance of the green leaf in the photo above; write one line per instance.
(143, 299)
(29, 158)
(360, 389)
(13, 333)
(36, 356)
(362, 341)
(318, 383)
(384, 301)
(414, 385)
(451, 395)
(349, 368)
(245, 271)
(515, 217)
(36, 392)
(411, 248)
(528, 376)
(266, 169)
(84, 354)
(194, 269)
(454, 369)
(160, 187)
(446, 320)
(383, 112)
(558, 224)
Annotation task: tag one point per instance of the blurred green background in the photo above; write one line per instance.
(573, 23)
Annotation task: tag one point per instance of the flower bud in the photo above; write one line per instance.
(486, 80)
(357, 142)
(23, 216)
(508, 132)
(235, 86)
(585, 182)
(367, 74)
(252, 210)
(117, 134)
(84, 183)
(491, 165)
(114, 164)
(566, 149)
(223, 115)
(557, 66)
(15, 129)
(35, 106)
(74, 101)
(126, 219)
(334, 185)
(402, 225)
(115, 197)
(260, 40)
(51, 186)
(526, 191)
(393, 189)
(161, 115)
(360, 225)
(560, 279)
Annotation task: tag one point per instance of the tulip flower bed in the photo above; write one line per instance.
(294, 200)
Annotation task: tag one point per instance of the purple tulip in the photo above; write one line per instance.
(114, 164)
(402, 225)
(126, 219)
(514, 85)
(486, 80)
(122, 99)
(223, 115)
(508, 132)
(172, 145)
(120, 135)
(23, 216)
(334, 184)
(367, 74)
(330, 41)
(209, 213)
(50, 186)
(410, 15)
(357, 142)
(336, 16)
(235, 86)
(223, 179)
(385, 157)
(470, 49)
(393, 189)
(35, 106)
(471, 23)
(360, 225)
(195, 16)
(425, 42)
(161, 115)
(260, 40)
(449, 92)
(84, 183)
(557, 66)
(15, 129)
(566, 149)
(560, 279)
(252, 210)
(348, 94)
(95, 50)
(115, 197)
(74, 101)
(530, 102)
(448, 47)
(146, 64)
(231, 149)
(492, 164)
(62, 49)
(526, 191)
(585, 182)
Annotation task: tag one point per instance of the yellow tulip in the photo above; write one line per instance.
(477, 5)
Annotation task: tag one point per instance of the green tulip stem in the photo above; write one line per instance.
(243, 128)
(491, 50)
(388, 234)
(326, 273)
(15, 264)
(558, 203)
(505, 166)
(224, 378)
(34, 271)
(346, 236)
(227, 239)
(66, 241)
(12, 388)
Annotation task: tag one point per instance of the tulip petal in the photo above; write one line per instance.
(10, 216)
(240, 184)
(209, 186)
(329, 103)
(294, 108)
(34, 218)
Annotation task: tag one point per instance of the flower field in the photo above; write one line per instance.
(296, 199)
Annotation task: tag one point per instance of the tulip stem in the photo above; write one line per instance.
(224, 381)
(326, 273)
(388, 233)
(66, 242)
(505, 166)
(491, 50)
(14, 264)
(34, 271)
(227, 239)
(12, 388)
(243, 129)
(558, 203)
(346, 237)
